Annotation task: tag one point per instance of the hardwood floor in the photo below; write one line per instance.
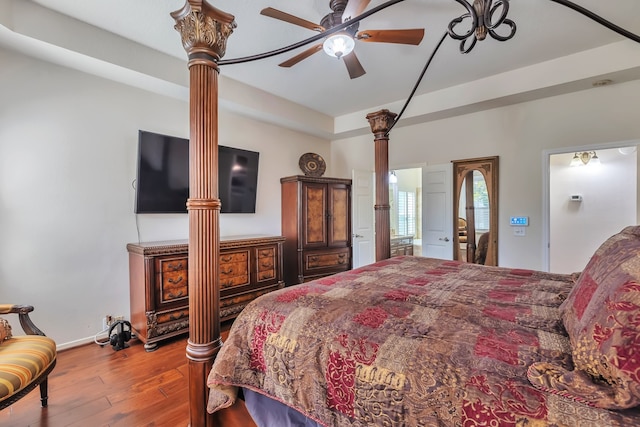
(97, 386)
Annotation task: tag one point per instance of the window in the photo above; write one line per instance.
(406, 213)
(480, 201)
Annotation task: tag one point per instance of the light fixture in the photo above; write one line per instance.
(338, 45)
(393, 178)
(585, 157)
(625, 151)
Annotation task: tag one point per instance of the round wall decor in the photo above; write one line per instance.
(312, 164)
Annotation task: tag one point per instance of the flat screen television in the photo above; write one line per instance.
(162, 182)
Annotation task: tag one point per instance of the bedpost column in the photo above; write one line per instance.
(381, 123)
(204, 31)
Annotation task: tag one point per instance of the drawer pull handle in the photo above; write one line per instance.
(313, 258)
(342, 255)
(175, 281)
(341, 261)
(178, 295)
(175, 267)
(226, 258)
(267, 264)
(228, 271)
(177, 316)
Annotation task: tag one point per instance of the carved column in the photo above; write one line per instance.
(204, 31)
(380, 123)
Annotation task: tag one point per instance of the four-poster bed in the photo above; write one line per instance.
(529, 302)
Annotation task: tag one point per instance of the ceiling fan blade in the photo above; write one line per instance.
(283, 16)
(302, 55)
(354, 8)
(353, 65)
(412, 36)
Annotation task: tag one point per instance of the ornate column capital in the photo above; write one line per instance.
(381, 122)
(204, 30)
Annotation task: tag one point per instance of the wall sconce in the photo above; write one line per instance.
(585, 157)
(393, 178)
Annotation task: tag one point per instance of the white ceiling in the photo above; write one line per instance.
(545, 30)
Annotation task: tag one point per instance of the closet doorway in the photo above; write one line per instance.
(592, 194)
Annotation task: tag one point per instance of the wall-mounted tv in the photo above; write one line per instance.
(162, 183)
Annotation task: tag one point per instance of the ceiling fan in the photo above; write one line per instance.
(341, 44)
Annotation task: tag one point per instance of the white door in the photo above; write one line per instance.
(363, 218)
(437, 218)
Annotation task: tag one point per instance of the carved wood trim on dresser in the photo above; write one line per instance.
(250, 266)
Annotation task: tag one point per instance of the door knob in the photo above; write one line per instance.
(357, 235)
(444, 239)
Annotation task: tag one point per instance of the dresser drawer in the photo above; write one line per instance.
(234, 269)
(173, 315)
(266, 263)
(233, 257)
(324, 260)
(266, 253)
(174, 285)
(165, 324)
(168, 265)
(172, 280)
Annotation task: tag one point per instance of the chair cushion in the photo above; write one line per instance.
(22, 359)
(5, 330)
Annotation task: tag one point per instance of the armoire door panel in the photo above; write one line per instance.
(340, 218)
(315, 232)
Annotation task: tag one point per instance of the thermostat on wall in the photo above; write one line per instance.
(519, 221)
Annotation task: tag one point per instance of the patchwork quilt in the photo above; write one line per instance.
(411, 341)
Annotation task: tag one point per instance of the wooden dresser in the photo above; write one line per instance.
(401, 245)
(316, 221)
(249, 267)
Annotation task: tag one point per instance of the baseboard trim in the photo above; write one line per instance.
(76, 343)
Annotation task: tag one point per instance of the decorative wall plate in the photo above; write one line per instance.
(312, 164)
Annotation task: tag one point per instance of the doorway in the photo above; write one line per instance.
(405, 204)
(592, 194)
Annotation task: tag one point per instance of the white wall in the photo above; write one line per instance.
(68, 147)
(518, 134)
(608, 205)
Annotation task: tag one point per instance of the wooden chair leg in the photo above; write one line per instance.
(43, 392)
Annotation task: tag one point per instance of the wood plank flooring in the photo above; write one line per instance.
(98, 387)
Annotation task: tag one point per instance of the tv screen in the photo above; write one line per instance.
(162, 183)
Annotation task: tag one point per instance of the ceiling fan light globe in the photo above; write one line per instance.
(338, 45)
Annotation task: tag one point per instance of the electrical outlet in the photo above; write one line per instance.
(107, 321)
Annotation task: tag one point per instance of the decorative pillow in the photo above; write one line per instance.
(602, 318)
(5, 330)
(591, 282)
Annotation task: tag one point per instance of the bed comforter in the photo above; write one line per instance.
(410, 341)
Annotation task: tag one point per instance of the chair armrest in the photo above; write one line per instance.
(23, 315)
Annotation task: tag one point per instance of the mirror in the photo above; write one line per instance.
(475, 207)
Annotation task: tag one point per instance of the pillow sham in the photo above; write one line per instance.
(602, 318)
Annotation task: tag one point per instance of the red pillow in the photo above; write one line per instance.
(602, 319)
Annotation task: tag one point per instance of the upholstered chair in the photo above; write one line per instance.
(25, 360)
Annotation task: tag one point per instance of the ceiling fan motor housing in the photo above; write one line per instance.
(332, 19)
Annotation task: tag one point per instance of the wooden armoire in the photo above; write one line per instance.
(316, 222)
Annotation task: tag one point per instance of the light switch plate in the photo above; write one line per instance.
(519, 231)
